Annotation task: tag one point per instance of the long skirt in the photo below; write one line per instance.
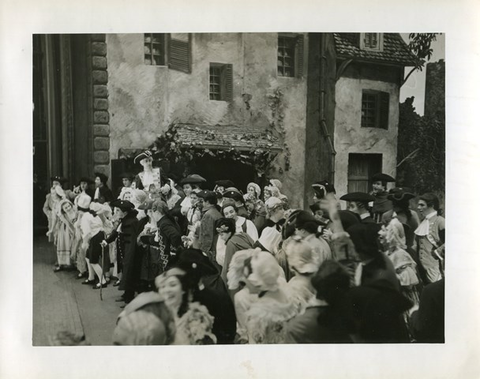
(65, 241)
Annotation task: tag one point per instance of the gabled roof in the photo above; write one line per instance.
(395, 50)
(225, 137)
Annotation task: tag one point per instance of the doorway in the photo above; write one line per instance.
(361, 167)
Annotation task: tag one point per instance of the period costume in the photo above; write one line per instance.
(126, 240)
(430, 236)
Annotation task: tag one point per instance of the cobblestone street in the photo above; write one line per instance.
(61, 302)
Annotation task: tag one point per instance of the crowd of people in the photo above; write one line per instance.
(232, 265)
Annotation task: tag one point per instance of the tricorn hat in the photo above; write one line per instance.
(124, 205)
(400, 193)
(143, 155)
(381, 177)
(361, 197)
(193, 179)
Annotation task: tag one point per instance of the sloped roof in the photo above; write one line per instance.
(395, 50)
(225, 136)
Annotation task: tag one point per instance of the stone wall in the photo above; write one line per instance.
(144, 100)
(350, 137)
(101, 116)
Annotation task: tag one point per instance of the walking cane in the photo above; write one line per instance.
(103, 274)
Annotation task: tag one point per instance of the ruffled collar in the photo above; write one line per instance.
(424, 227)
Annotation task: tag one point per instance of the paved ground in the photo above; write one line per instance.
(61, 302)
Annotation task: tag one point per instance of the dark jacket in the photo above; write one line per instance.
(167, 242)
(377, 311)
(127, 261)
(105, 195)
(207, 228)
(428, 323)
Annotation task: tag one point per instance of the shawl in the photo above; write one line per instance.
(266, 321)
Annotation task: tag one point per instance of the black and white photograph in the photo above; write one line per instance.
(238, 188)
(285, 190)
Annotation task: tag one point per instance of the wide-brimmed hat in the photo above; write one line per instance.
(194, 262)
(361, 197)
(323, 187)
(124, 205)
(233, 193)
(143, 155)
(400, 193)
(381, 177)
(208, 196)
(193, 179)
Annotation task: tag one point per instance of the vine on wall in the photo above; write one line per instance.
(278, 115)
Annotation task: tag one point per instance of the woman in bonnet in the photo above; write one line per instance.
(267, 317)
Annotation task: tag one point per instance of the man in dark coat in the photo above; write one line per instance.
(167, 238)
(210, 214)
(126, 238)
(357, 202)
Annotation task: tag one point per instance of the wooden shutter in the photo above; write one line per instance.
(299, 57)
(179, 55)
(384, 109)
(227, 78)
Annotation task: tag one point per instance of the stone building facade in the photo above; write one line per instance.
(330, 101)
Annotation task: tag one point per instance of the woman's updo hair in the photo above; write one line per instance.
(229, 204)
(187, 282)
(431, 200)
(225, 225)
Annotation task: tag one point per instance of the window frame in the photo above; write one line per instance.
(165, 38)
(225, 84)
(298, 54)
(381, 111)
(364, 46)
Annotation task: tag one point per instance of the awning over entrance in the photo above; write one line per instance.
(226, 137)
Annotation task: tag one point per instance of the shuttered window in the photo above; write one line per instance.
(375, 107)
(172, 50)
(221, 82)
(290, 56)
